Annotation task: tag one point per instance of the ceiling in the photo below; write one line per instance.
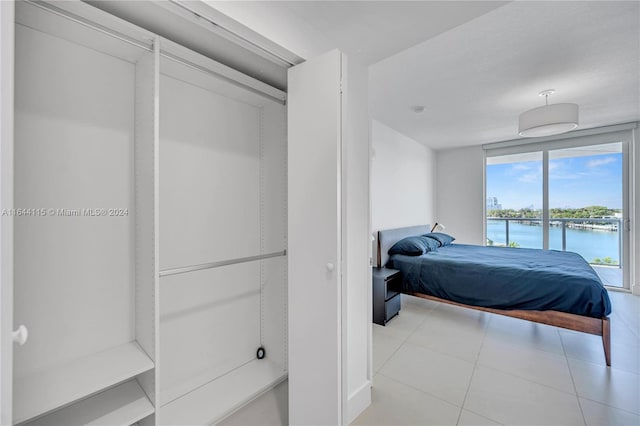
(368, 31)
(474, 66)
(475, 80)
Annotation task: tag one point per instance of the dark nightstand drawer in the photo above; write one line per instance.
(392, 307)
(386, 297)
(393, 284)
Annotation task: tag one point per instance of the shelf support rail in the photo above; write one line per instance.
(176, 271)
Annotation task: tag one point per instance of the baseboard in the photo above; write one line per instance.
(358, 401)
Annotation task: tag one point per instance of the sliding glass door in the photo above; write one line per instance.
(586, 206)
(562, 196)
(514, 200)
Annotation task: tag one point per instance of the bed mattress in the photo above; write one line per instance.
(506, 278)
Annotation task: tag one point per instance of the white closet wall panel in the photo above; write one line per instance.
(273, 178)
(222, 200)
(74, 151)
(273, 232)
(210, 325)
(136, 160)
(84, 121)
(209, 176)
(273, 310)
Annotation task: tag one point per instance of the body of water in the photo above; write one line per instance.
(590, 244)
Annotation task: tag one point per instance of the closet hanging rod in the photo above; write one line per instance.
(202, 266)
(147, 46)
(90, 24)
(200, 68)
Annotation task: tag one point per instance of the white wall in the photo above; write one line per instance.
(460, 193)
(403, 175)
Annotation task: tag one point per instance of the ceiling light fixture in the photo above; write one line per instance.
(548, 120)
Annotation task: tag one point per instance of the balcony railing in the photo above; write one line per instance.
(592, 224)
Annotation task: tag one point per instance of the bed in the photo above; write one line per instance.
(543, 286)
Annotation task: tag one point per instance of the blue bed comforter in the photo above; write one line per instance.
(506, 278)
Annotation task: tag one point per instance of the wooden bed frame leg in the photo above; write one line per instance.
(606, 340)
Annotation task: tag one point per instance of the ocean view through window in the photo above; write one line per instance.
(565, 199)
(599, 246)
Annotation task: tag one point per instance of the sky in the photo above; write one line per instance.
(573, 182)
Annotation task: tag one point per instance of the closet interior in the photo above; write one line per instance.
(150, 262)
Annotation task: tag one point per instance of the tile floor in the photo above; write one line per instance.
(437, 364)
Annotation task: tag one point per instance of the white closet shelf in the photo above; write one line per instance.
(217, 399)
(122, 405)
(47, 390)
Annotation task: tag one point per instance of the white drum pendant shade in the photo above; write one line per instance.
(548, 120)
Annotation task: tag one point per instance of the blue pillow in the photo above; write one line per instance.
(414, 246)
(441, 238)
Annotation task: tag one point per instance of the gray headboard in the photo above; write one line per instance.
(388, 237)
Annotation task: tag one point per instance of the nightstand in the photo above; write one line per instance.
(386, 301)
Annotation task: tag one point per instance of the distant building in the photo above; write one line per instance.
(492, 203)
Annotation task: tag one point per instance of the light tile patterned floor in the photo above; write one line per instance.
(438, 364)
